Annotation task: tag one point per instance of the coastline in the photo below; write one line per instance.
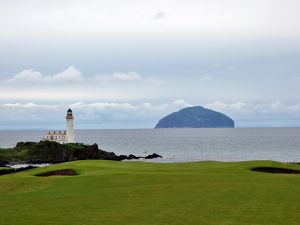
(186, 145)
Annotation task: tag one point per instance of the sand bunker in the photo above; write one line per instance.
(275, 170)
(65, 172)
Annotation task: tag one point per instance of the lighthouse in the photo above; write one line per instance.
(65, 136)
(70, 129)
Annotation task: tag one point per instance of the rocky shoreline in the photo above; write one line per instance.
(52, 152)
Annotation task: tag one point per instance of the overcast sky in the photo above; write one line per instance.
(127, 63)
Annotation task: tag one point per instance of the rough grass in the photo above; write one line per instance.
(137, 193)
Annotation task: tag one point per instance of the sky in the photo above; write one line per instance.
(128, 63)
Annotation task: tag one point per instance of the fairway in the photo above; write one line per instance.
(138, 193)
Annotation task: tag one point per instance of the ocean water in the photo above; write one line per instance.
(184, 145)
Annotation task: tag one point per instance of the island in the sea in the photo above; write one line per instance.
(195, 117)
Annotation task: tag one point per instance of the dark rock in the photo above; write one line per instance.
(153, 156)
(133, 157)
(122, 157)
(3, 163)
(195, 117)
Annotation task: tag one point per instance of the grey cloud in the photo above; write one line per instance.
(29, 76)
(72, 85)
(267, 113)
(73, 75)
(159, 15)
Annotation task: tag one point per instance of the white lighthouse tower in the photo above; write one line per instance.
(65, 136)
(70, 129)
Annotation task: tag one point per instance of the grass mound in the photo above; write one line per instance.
(265, 169)
(65, 172)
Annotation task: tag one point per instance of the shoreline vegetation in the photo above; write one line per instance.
(8, 170)
(53, 152)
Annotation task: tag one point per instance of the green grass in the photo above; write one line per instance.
(4, 168)
(138, 193)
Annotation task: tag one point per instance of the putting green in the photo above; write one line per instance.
(137, 193)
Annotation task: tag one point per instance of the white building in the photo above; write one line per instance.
(66, 136)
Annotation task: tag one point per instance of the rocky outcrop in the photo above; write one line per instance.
(195, 117)
(53, 152)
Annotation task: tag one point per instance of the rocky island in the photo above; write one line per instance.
(195, 117)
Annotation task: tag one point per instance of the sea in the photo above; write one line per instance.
(185, 145)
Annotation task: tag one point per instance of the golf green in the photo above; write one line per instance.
(138, 193)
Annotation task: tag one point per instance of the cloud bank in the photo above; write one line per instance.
(31, 76)
(71, 84)
(72, 76)
(100, 115)
(132, 100)
(88, 115)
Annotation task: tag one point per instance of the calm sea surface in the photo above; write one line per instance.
(181, 145)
